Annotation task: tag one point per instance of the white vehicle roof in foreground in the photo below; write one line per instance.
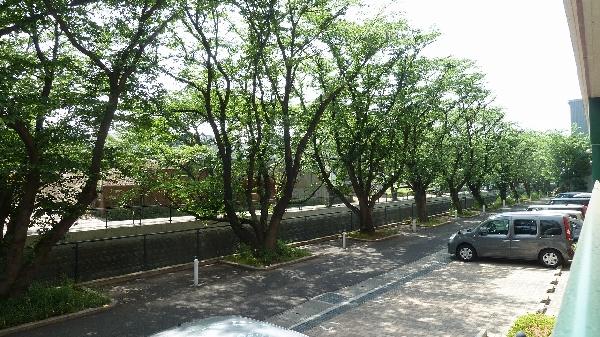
(227, 326)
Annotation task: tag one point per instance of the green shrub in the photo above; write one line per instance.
(262, 258)
(377, 234)
(42, 301)
(533, 325)
(434, 221)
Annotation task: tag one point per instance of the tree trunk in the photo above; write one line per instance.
(421, 202)
(476, 192)
(365, 215)
(527, 189)
(515, 193)
(456, 200)
(503, 191)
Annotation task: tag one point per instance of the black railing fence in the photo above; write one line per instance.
(99, 258)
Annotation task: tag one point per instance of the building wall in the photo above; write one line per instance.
(578, 115)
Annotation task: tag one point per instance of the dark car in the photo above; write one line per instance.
(565, 201)
(568, 194)
(517, 235)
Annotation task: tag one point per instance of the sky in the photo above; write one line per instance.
(523, 46)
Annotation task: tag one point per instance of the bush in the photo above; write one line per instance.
(434, 221)
(533, 325)
(42, 301)
(377, 234)
(262, 258)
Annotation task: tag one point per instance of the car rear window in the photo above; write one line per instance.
(550, 227)
(525, 227)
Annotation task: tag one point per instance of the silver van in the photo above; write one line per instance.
(517, 235)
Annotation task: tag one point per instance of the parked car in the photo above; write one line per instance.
(568, 194)
(517, 235)
(575, 207)
(566, 201)
(227, 326)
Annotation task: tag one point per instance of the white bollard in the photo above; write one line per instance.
(414, 225)
(503, 203)
(195, 272)
(484, 209)
(455, 214)
(344, 240)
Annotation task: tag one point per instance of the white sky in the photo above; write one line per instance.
(523, 46)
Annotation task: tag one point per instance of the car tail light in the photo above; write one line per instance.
(567, 228)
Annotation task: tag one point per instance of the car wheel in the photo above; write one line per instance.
(466, 253)
(550, 258)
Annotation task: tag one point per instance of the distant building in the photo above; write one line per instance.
(578, 115)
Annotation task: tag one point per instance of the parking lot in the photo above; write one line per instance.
(459, 299)
(403, 286)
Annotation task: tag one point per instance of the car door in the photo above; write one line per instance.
(492, 238)
(524, 243)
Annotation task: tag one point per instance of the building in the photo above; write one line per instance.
(578, 116)
(583, 17)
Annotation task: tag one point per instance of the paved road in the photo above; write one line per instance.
(456, 299)
(149, 305)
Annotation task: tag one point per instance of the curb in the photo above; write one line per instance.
(315, 240)
(270, 267)
(146, 273)
(57, 319)
(545, 303)
(375, 240)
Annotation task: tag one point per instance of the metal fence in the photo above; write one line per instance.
(106, 257)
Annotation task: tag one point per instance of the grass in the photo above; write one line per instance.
(533, 325)
(282, 253)
(377, 234)
(469, 212)
(432, 222)
(42, 301)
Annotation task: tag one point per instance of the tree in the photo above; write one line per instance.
(483, 151)
(358, 142)
(425, 126)
(570, 160)
(469, 124)
(57, 112)
(245, 80)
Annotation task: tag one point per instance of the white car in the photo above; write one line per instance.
(227, 326)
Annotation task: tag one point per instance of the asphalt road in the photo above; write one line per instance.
(147, 305)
